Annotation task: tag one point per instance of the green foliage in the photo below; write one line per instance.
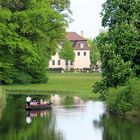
(94, 52)
(124, 98)
(119, 47)
(135, 85)
(29, 34)
(116, 12)
(67, 51)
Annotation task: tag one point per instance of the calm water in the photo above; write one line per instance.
(70, 119)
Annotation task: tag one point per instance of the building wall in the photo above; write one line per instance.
(81, 61)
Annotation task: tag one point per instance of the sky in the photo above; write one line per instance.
(86, 17)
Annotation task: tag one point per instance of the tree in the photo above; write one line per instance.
(29, 34)
(94, 52)
(67, 52)
(119, 47)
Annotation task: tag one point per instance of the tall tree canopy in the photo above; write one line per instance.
(67, 51)
(94, 52)
(29, 33)
(120, 46)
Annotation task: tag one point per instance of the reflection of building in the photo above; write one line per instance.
(56, 99)
(82, 54)
(77, 100)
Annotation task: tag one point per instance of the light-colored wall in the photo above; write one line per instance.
(80, 62)
(56, 58)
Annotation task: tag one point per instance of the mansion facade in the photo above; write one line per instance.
(82, 54)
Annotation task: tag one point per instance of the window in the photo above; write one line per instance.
(78, 53)
(66, 62)
(85, 53)
(81, 45)
(71, 62)
(59, 62)
(53, 62)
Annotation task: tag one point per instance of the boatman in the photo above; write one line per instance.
(28, 100)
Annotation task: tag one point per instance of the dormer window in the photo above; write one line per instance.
(81, 45)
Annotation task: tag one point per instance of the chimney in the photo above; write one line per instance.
(82, 33)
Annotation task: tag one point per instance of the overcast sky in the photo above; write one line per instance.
(86, 16)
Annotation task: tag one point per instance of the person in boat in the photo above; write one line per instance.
(34, 102)
(28, 100)
(49, 102)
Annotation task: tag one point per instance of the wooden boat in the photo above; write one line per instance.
(39, 106)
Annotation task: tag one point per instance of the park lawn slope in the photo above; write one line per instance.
(62, 83)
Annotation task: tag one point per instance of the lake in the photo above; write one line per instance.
(71, 118)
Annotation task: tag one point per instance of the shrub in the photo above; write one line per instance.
(57, 70)
(124, 98)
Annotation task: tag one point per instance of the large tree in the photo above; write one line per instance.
(94, 52)
(29, 33)
(120, 46)
(67, 52)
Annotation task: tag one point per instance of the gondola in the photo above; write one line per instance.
(39, 106)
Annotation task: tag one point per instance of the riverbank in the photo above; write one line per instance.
(125, 100)
(79, 84)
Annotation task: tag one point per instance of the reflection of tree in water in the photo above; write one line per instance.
(13, 124)
(97, 124)
(115, 128)
(2, 102)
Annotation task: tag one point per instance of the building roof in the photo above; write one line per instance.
(72, 36)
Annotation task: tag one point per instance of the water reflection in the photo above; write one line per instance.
(2, 101)
(36, 113)
(76, 124)
(71, 118)
(13, 124)
(66, 101)
(120, 129)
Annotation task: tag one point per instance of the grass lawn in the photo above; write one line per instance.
(66, 83)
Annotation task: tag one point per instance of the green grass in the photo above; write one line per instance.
(66, 83)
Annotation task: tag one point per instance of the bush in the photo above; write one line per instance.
(57, 70)
(2, 98)
(135, 84)
(124, 98)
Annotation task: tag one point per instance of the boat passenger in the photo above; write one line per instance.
(33, 102)
(41, 101)
(28, 100)
(45, 102)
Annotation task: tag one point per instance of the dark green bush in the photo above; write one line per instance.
(123, 99)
